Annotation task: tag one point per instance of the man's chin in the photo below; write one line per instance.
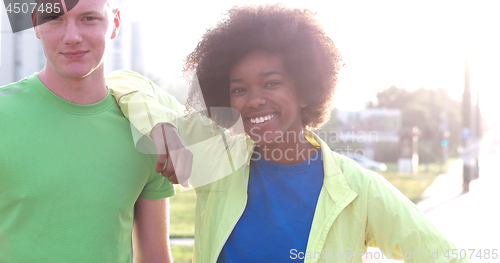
(78, 73)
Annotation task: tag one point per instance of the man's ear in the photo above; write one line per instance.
(116, 24)
(34, 22)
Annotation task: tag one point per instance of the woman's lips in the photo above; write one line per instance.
(262, 120)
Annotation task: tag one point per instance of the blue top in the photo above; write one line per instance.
(278, 214)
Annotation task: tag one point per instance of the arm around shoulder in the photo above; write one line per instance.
(142, 101)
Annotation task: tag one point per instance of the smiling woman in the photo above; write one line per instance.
(278, 69)
(307, 54)
(276, 66)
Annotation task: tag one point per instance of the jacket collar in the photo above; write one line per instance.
(334, 181)
(333, 198)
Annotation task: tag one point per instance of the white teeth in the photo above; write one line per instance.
(262, 119)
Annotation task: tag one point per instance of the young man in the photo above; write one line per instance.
(72, 184)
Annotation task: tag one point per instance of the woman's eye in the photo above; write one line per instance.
(238, 90)
(272, 83)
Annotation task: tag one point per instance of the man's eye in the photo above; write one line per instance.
(52, 18)
(89, 18)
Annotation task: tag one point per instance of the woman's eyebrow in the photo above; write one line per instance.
(268, 73)
(262, 74)
(236, 80)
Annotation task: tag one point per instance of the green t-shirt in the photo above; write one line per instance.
(69, 178)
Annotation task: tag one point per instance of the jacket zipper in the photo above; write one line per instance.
(246, 200)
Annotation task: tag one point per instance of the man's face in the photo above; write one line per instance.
(75, 42)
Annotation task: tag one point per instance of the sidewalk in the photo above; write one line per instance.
(470, 220)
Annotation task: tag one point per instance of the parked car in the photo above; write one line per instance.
(367, 163)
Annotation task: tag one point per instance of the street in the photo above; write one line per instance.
(469, 220)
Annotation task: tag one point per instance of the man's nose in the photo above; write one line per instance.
(72, 34)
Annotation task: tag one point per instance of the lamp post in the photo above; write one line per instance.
(477, 136)
(466, 127)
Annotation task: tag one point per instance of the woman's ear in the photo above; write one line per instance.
(303, 102)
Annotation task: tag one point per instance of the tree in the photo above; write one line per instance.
(425, 109)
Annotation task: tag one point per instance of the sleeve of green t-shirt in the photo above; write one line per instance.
(157, 187)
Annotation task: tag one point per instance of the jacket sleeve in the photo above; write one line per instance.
(216, 153)
(142, 101)
(399, 228)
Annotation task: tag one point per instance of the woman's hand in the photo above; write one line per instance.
(172, 149)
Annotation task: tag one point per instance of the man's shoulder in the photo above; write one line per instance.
(125, 73)
(126, 77)
(13, 87)
(14, 92)
(124, 82)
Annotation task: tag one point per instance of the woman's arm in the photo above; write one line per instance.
(215, 153)
(396, 225)
(146, 107)
(142, 102)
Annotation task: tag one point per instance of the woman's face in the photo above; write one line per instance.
(265, 95)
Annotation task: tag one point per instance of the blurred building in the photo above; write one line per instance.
(372, 133)
(126, 49)
(21, 53)
(369, 125)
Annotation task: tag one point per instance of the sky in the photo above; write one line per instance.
(408, 44)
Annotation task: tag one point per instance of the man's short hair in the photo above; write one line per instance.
(112, 4)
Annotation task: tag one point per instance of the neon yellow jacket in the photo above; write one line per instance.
(356, 207)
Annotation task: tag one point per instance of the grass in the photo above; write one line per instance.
(413, 186)
(182, 253)
(182, 207)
